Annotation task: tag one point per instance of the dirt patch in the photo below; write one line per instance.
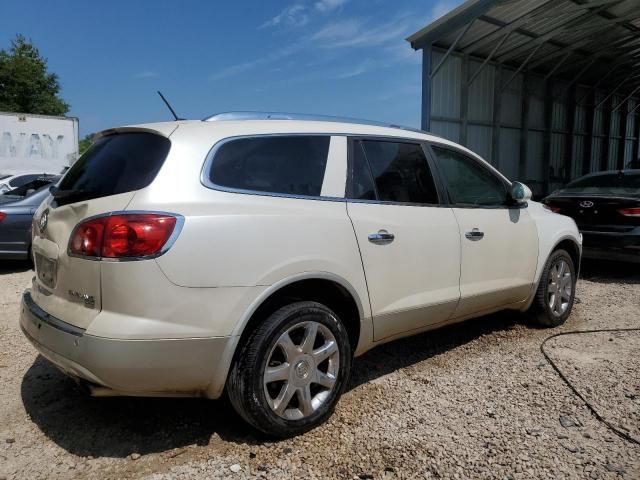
(475, 400)
(603, 367)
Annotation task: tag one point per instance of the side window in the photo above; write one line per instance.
(400, 172)
(469, 183)
(292, 165)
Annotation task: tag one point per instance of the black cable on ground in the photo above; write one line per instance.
(591, 408)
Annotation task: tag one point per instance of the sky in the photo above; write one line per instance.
(331, 57)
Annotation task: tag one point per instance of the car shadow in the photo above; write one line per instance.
(14, 266)
(116, 427)
(408, 351)
(605, 271)
(119, 426)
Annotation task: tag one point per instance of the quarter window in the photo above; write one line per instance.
(289, 165)
(393, 172)
(468, 182)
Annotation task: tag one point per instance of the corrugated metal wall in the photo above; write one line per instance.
(542, 133)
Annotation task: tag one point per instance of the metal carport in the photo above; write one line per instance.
(547, 90)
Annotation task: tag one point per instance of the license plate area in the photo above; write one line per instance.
(46, 269)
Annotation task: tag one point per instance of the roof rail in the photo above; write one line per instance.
(230, 116)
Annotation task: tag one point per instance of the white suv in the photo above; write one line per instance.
(258, 253)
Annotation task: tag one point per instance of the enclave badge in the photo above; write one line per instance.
(44, 219)
(88, 301)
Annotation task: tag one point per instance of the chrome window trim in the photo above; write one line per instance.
(305, 117)
(206, 167)
(505, 182)
(206, 182)
(169, 243)
(442, 203)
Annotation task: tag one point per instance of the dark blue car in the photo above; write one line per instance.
(16, 211)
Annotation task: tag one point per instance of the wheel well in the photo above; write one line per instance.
(572, 249)
(327, 292)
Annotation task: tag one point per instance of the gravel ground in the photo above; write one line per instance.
(476, 400)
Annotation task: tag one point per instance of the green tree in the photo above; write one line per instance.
(25, 84)
(85, 143)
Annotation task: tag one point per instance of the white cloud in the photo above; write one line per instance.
(298, 14)
(232, 70)
(145, 74)
(336, 38)
(442, 7)
(328, 5)
(402, 52)
(238, 68)
(356, 33)
(294, 15)
(357, 70)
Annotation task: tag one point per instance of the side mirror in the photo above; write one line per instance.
(520, 193)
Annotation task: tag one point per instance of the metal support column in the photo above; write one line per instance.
(548, 118)
(569, 149)
(464, 100)
(524, 127)
(497, 107)
(636, 150)
(606, 114)
(624, 117)
(588, 154)
(426, 88)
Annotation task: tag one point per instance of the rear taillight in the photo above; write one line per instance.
(630, 212)
(125, 235)
(2, 216)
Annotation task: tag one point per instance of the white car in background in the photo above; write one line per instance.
(257, 254)
(11, 182)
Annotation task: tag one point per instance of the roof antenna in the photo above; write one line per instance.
(169, 106)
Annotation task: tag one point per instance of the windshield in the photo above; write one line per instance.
(620, 184)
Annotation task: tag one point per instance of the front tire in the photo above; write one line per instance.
(290, 372)
(556, 291)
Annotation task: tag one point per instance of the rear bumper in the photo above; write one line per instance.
(612, 246)
(160, 367)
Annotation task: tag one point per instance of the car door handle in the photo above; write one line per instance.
(382, 237)
(474, 234)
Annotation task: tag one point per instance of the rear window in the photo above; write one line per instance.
(288, 165)
(610, 184)
(115, 164)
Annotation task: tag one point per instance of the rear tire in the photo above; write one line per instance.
(556, 291)
(290, 372)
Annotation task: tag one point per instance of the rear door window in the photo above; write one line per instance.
(391, 172)
(287, 165)
(115, 164)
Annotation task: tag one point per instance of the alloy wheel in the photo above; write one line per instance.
(560, 287)
(301, 370)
